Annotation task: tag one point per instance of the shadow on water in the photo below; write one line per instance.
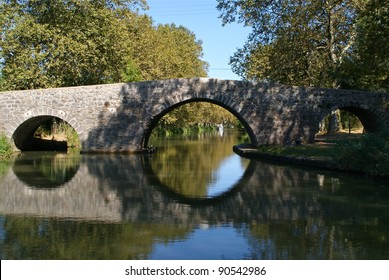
(115, 207)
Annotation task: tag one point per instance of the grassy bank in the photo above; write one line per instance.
(367, 154)
(318, 151)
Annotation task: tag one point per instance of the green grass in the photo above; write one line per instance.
(321, 151)
(368, 154)
(6, 148)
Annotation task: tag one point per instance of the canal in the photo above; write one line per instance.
(192, 199)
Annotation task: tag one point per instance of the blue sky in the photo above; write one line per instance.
(201, 17)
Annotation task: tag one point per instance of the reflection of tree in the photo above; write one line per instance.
(4, 166)
(189, 168)
(350, 220)
(316, 239)
(35, 238)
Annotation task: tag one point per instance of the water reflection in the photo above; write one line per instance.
(120, 207)
(199, 170)
(46, 170)
(227, 175)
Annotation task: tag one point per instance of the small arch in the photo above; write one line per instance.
(152, 123)
(368, 119)
(24, 135)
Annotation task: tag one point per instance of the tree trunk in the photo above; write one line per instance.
(333, 122)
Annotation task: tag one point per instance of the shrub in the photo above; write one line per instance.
(369, 154)
(6, 148)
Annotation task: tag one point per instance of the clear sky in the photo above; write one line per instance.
(201, 17)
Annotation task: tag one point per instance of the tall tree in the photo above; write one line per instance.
(368, 66)
(48, 43)
(168, 51)
(63, 43)
(293, 41)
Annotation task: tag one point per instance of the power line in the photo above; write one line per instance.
(181, 14)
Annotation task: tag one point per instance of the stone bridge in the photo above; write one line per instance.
(120, 117)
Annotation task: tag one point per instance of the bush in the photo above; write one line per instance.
(369, 154)
(6, 148)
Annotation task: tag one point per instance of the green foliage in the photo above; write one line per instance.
(340, 120)
(6, 148)
(369, 154)
(131, 73)
(79, 42)
(167, 51)
(4, 166)
(196, 114)
(313, 43)
(2, 82)
(61, 43)
(368, 66)
(59, 130)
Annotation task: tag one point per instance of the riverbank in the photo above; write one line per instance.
(360, 154)
(253, 152)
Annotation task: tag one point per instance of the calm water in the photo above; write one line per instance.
(193, 199)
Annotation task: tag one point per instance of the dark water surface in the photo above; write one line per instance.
(193, 199)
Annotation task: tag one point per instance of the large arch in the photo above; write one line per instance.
(156, 118)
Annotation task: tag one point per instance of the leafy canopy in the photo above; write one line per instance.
(310, 43)
(79, 42)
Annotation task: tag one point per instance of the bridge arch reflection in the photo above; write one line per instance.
(193, 201)
(122, 188)
(101, 187)
(46, 170)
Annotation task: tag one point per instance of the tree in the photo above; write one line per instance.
(197, 114)
(294, 41)
(63, 43)
(79, 42)
(322, 43)
(368, 66)
(167, 51)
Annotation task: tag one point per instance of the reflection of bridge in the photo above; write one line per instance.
(120, 117)
(103, 190)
